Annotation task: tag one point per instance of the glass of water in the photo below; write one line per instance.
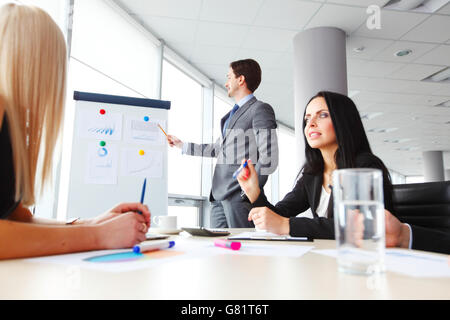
(359, 220)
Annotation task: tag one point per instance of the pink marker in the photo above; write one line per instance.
(227, 244)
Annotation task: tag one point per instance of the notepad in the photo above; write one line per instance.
(266, 236)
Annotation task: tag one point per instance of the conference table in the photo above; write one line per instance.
(218, 277)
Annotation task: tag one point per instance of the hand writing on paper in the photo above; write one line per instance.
(123, 231)
(266, 219)
(121, 209)
(122, 226)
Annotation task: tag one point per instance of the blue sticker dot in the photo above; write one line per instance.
(146, 119)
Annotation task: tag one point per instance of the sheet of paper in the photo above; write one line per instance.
(124, 260)
(411, 263)
(263, 235)
(417, 264)
(93, 125)
(102, 164)
(252, 249)
(113, 260)
(207, 248)
(142, 162)
(144, 130)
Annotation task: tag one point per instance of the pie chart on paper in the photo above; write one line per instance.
(131, 256)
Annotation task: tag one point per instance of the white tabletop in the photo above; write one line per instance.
(221, 277)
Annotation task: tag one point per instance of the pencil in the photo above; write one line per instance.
(162, 130)
(143, 193)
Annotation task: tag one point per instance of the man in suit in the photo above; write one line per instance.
(248, 132)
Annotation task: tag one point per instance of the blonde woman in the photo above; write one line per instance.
(32, 90)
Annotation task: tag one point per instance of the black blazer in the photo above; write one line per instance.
(430, 240)
(306, 194)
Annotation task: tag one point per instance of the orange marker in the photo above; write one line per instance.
(162, 130)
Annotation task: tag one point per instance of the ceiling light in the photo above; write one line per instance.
(382, 130)
(441, 75)
(445, 104)
(397, 140)
(408, 149)
(370, 115)
(423, 6)
(403, 53)
(359, 49)
(406, 4)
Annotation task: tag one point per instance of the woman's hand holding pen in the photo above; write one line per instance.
(121, 209)
(125, 223)
(248, 180)
(123, 231)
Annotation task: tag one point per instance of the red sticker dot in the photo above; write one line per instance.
(102, 112)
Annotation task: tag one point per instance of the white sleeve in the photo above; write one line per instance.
(410, 236)
(184, 149)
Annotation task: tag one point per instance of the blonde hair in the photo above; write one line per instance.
(32, 90)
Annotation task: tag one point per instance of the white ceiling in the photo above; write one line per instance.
(212, 33)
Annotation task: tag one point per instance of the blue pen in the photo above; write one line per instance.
(236, 173)
(159, 245)
(143, 193)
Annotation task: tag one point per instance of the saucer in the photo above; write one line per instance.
(164, 231)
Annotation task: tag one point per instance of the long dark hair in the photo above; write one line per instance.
(353, 146)
(350, 135)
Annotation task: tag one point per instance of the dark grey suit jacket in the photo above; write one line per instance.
(251, 134)
(430, 240)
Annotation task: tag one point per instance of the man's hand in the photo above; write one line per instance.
(174, 141)
(397, 233)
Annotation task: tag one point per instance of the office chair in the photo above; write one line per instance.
(423, 204)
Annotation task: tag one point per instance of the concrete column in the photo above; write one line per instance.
(319, 64)
(433, 165)
(447, 175)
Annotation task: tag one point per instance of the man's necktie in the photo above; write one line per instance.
(225, 126)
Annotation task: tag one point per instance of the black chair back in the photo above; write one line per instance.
(423, 204)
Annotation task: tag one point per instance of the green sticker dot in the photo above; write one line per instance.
(102, 144)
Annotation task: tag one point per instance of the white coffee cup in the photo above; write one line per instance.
(165, 222)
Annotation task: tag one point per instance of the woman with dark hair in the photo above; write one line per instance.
(334, 139)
